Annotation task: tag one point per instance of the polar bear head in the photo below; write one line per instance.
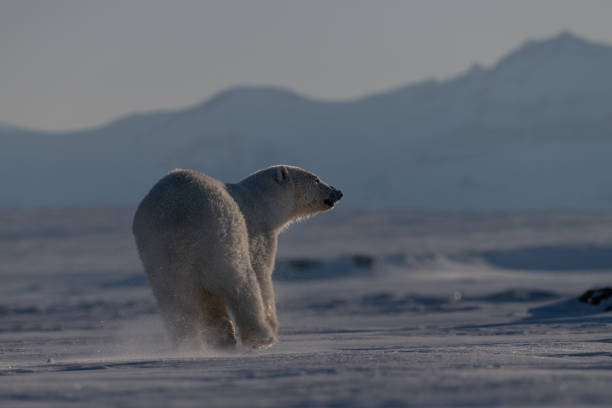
(310, 194)
(296, 192)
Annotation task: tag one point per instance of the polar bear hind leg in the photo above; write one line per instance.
(180, 316)
(243, 296)
(216, 325)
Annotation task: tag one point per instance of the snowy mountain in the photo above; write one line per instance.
(534, 131)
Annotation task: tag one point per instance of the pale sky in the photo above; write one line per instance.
(67, 64)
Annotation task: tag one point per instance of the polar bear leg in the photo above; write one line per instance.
(216, 325)
(180, 317)
(267, 292)
(245, 301)
(172, 288)
(262, 253)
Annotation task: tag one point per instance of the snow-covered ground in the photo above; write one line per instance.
(376, 308)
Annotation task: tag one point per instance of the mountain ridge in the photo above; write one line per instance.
(525, 123)
(236, 90)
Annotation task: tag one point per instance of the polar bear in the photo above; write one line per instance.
(208, 247)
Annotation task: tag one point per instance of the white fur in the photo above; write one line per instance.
(206, 245)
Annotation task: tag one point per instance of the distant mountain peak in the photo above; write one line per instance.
(259, 91)
(567, 35)
(558, 50)
(250, 94)
(565, 40)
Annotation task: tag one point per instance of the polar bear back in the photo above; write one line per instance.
(190, 216)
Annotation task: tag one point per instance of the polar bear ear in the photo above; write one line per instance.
(282, 174)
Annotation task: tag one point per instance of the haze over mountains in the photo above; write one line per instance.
(534, 131)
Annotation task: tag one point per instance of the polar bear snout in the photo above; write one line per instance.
(334, 196)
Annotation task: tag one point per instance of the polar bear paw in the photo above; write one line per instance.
(258, 338)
